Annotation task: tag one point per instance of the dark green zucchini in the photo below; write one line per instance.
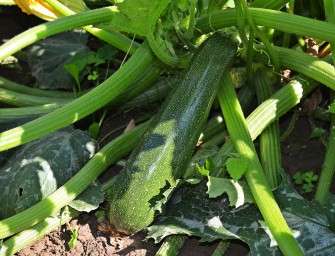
(165, 149)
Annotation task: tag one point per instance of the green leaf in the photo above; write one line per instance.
(73, 71)
(191, 212)
(74, 238)
(94, 129)
(210, 165)
(202, 170)
(107, 52)
(237, 167)
(101, 216)
(137, 17)
(47, 58)
(38, 168)
(238, 192)
(89, 200)
(199, 159)
(93, 76)
(298, 178)
(331, 109)
(316, 133)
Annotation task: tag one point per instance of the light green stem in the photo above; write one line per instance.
(269, 139)
(238, 131)
(111, 153)
(278, 20)
(114, 38)
(106, 92)
(23, 100)
(328, 168)
(47, 29)
(271, 109)
(171, 245)
(269, 4)
(27, 111)
(9, 85)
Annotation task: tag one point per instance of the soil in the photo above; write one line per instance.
(298, 154)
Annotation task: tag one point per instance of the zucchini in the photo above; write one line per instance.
(163, 153)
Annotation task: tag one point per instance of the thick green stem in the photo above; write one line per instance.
(9, 85)
(303, 63)
(114, 38)
(27, 111)
(23, 100)
(238, 131)
(47, 29)
(269, 4)
(171, 245)
(278, 20)
(328, 168)
(105, 93)
(269, 139)
(271, 109)
(111, 153)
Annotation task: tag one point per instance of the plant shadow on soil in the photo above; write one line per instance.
(298, 154)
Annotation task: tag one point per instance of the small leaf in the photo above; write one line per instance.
(73, 71)
(89, 200)
(237, 167)
(202, 170)
(93, 76)
(238, 192)
(101, 216)
(308, 187)
(47, 58)
(94, 129)
(316, 133)
(298, 178)
(107, 52)
(315, 177)
(210, 165)
(74, 238)
(331, 109)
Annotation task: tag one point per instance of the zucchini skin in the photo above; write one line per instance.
(163, 153)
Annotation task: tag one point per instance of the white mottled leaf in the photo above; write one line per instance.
(38, 168)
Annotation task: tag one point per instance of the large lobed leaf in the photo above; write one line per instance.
(47, 59)
(38, 168)
(137, 17)
(191, 212)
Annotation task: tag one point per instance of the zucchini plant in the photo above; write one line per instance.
(158, 39)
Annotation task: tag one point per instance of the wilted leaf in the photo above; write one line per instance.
(47, 58)
(38, 168)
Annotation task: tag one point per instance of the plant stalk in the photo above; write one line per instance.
(111, 153)
(238, 130)
(106, 92)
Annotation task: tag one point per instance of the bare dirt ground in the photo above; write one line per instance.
(299, 154)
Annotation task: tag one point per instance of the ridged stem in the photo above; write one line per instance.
(47, 29)
(278, 20)
(105, 93)
(238, 131)
(271, 109)
(269, 139)
(109, 154)
(328, 168)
